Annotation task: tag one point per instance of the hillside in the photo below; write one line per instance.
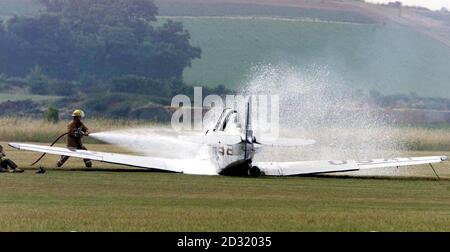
(366, 46)
(363, 45)
(387, 58)
(239, 8)
(435, 24)
(17, 7)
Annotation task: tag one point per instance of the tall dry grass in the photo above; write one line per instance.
(414, 138)
(399, 138)
(35, 130)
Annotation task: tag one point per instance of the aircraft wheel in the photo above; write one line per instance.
(255, 171)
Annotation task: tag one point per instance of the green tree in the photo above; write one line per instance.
(38, 81)
(173, 48)
(52, 115)
(14, 53)
(94, 13)
(51, 44)
(70, 39)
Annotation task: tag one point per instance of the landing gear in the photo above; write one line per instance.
(254, 171)
(242, 168)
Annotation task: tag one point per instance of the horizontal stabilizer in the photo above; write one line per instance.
(213, 138)
(285, 142)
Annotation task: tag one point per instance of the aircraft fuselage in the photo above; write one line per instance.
(235, 158)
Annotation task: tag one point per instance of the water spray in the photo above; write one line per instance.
(314, 104)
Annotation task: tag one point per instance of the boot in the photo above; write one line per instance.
(88, 163)
(61, 161)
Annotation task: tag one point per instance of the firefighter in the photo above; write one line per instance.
(75, 131)
(7, 165)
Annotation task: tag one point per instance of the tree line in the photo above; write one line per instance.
(84, 40)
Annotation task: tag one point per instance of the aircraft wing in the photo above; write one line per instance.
(285, 142)
(188, 166)
(317, 167)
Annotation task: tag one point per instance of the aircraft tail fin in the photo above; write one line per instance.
(248, 133)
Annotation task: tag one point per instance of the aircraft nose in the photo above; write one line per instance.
(444, 158)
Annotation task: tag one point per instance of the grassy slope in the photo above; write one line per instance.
(206, 8)
(386, 58)
(391, 59)
(17, 7)
(20, 97)
(129, 201)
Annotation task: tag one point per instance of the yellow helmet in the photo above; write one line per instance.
(78, 113)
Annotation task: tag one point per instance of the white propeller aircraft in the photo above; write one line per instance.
(232, 150)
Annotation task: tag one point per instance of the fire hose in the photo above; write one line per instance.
(54, 142)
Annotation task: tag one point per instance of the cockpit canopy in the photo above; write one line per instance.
(229, 120)
(232, 121)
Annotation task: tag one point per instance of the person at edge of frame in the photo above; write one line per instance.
(6, 164)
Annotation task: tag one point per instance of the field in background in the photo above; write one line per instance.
(10, 8)
(341, 37)
(21, 97)
(407, 137)
(35, 130)
(390, 58)
(258, 9)
(76, 199)
(416, 138)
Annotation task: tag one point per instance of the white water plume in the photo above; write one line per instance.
(157, 142)
(313, 105)
(316, 105)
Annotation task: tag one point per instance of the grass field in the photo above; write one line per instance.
(75, 199)
(390, 59)
(18, 7)
(192, 8)
(20, 97)
(38, 130)
(15, 129)
(117, 198)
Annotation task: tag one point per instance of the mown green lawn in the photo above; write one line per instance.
(73, 199)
